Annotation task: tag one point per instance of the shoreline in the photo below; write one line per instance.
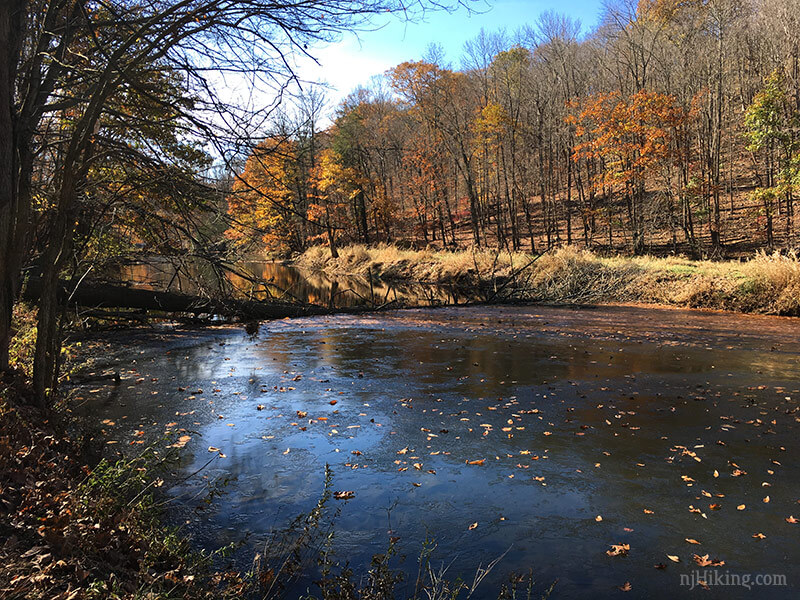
(142, 526)
(766, 284)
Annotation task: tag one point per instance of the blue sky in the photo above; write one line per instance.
(353, 60)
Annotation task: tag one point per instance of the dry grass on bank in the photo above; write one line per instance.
(391, 263)
(767, 284)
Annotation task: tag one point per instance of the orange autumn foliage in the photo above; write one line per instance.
(632, 136)
(264, 197)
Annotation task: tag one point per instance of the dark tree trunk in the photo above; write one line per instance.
(362, 215)
(103, 296)
(12, 19)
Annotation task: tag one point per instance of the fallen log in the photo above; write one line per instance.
(103, 295)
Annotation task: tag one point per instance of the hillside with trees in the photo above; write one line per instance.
(673, 127)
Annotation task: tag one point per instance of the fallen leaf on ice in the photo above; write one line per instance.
(704, 561)
(182, 441)
(618, 550)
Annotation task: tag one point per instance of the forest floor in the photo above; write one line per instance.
(77, 527)
(764, 284)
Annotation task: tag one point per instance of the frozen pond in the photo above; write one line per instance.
(586, 429)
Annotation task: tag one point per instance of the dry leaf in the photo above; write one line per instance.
(182, 441)
(704, 561)
(618, 550)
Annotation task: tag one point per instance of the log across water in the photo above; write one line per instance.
(104, 295)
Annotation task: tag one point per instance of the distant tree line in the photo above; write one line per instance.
(674, 126)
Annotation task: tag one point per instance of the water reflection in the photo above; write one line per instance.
(574, 413)
(264, 280)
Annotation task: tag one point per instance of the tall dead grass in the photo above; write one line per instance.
(767, 284)
(391, 263)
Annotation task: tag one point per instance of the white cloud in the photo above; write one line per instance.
(343, 66)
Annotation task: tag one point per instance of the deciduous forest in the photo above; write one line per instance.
(671, 128)
(473, 329)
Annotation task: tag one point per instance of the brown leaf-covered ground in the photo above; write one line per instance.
(67, 534)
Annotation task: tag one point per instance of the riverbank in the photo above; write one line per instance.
(765, 284)
(76, 526)
(77, 521)
(75, 532)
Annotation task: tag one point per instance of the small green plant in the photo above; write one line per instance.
(126, 491)
(23, 342)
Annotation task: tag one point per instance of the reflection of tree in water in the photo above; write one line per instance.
(270, 280)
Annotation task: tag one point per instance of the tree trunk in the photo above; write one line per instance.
(103, 295)
(59, 248)
(12, 13)
(362, 215)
